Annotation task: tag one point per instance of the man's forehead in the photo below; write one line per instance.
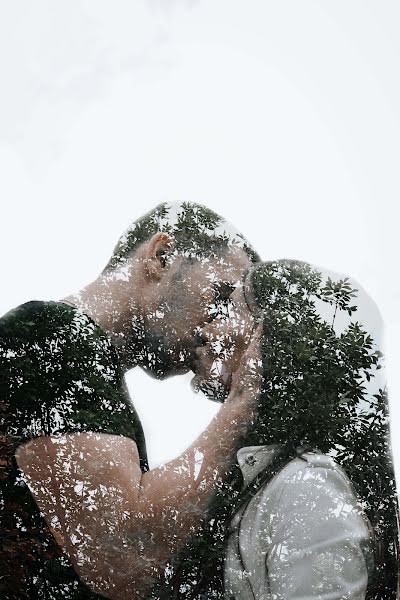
(228, 262)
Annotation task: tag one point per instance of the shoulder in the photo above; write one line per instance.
(32, 307)
(63, 374)
(314, 476)
(34, 316)
(45, 320)
(305, 465)
(309, 498)
(24, 313)
(50, 341)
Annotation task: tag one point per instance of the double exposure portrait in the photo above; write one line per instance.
(289, 492)
(199, 307)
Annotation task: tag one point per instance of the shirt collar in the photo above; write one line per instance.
(254, 459)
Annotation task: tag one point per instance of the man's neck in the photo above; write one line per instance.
(111, 304)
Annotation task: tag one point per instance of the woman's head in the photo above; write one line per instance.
(310, 392)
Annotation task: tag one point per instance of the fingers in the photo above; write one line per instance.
(255, 342)
(253, 350)
(249, 375)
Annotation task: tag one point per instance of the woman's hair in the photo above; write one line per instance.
(314, 395)
(311, 389)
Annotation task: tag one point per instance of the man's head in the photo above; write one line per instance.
(186, 261)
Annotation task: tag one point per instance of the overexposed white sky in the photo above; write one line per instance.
(282, 116)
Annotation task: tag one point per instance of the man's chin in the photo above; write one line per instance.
(163, 371)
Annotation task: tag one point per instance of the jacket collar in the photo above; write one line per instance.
(254, 459)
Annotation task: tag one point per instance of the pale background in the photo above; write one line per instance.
(282, 116)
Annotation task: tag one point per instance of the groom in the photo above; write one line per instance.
(83, 516)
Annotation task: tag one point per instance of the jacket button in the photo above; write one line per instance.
(250, 460)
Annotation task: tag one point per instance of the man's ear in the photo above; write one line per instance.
(155, 255)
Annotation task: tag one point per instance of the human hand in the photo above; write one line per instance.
(224, 346)
(247, 380)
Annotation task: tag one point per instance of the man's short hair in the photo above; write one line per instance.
(198, 232)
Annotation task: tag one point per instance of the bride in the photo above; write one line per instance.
(293, 516)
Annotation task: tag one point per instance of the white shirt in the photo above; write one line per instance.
(302, 536)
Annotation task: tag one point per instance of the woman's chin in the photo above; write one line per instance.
(213, 389)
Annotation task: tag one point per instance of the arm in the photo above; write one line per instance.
(317, 539)
(119, 526)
